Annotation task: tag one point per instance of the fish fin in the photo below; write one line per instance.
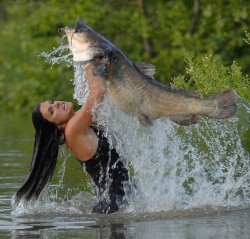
(226, 104)
(101, 62)
(145, 121)
(99, 66)
(185, 121)
(146, 68)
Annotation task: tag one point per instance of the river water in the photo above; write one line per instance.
(165, 205)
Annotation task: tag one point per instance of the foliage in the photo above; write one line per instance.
(208, 75)
(160, 32)
(247, 39)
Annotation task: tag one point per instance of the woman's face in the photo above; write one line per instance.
(57, 112)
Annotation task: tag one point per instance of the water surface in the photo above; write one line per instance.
(62, 217)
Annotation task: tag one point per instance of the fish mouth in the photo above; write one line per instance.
(66, 31)
(84, 43)
(72, 34)
(79, 27)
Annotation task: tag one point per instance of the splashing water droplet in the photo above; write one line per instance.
(175, 167)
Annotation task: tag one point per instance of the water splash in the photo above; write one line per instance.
(179, 167)
(175, 167)
(54, 189)
(58, 55)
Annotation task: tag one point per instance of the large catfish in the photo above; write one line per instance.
(133, 88)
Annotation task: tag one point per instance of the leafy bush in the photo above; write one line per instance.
(208, 75)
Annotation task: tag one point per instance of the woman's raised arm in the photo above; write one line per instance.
(83, 117)
(79, 137)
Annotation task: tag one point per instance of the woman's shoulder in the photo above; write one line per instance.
(82, 145)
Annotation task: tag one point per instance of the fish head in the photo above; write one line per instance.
(85, 43)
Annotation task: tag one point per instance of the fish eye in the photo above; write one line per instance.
(77, 29)
(80, 29)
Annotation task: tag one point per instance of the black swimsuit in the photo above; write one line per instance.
(108, 173)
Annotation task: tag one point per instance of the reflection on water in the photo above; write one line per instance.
(230, 225)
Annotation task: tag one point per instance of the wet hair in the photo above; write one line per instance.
(48, 137)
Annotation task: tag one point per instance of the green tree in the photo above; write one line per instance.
(160, 32)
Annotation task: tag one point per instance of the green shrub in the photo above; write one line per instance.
(207, 74)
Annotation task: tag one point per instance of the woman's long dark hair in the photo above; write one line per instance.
(48, 137)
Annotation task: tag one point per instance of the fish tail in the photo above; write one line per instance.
(226, 106)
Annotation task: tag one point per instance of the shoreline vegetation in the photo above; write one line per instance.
(197, 45)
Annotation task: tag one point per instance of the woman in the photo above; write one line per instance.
(56, 123)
